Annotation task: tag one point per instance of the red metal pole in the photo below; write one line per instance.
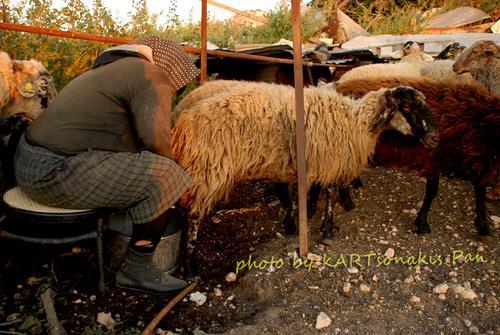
(66, 34)
(300, 126)
(203, 55)
(120, 40)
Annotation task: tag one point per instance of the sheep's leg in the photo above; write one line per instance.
(328, 220)
(345, 198)
(312, 200)
(356, 183)
(431, 189)
(482, 221)
(191, 266)
(283, 194)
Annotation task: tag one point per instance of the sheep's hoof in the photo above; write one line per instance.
(357, 183)
(348, 206)
(311, 208)
(328, 242)
(191, 270)
(290, 229)
(423, 229)
(289, 225)
(483, 227)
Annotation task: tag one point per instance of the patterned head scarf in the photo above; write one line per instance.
(172, 59)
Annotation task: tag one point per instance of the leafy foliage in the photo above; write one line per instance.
(67, 58)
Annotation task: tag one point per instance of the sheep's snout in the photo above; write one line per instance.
(430, 140)
(457, 69)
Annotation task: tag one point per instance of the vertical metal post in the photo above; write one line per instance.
(203, 55)
(100, 254)
(300, 136)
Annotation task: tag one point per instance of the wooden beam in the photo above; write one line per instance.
(203, 54)
(300, 128)
(238, 12)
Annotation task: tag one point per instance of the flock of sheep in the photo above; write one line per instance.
(228, 131)
(433, 117)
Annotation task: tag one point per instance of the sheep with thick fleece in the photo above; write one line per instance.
(482, 60)
(25, 87)
(204, 91)
(249, 134)
(211, 88)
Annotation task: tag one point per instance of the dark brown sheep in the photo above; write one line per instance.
(468, 120)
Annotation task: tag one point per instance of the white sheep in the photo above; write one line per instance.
(204, 91)
(248, 134)
(249, 114)
(482, 60)
(412, 53)
(443, 70)
(25, 87)
(411, 62)
(401, 69)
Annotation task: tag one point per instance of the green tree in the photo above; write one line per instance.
(142, 22)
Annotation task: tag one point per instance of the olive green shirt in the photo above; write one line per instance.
(121, 106)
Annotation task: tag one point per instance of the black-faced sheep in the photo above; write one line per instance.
(469, 126)
(211, 88)
(249, 134)
(482, 60)
(452, 51)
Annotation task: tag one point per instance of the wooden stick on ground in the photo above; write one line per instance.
(152, 325)
(55, 328)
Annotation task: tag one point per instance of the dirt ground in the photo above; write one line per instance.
(358, 298)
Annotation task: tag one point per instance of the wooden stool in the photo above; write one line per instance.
(32, 222)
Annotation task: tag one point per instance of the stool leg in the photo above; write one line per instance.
(100, 255)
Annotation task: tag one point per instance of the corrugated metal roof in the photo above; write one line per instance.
(349, 27)
(432, 43)
(457, 17)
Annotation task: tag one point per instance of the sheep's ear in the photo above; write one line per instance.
(17, 66)
(391, 101)
(490, 50)
(380, 121)
(386, 113)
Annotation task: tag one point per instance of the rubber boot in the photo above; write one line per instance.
(140, 274)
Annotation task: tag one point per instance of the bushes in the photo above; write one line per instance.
(67, 58)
